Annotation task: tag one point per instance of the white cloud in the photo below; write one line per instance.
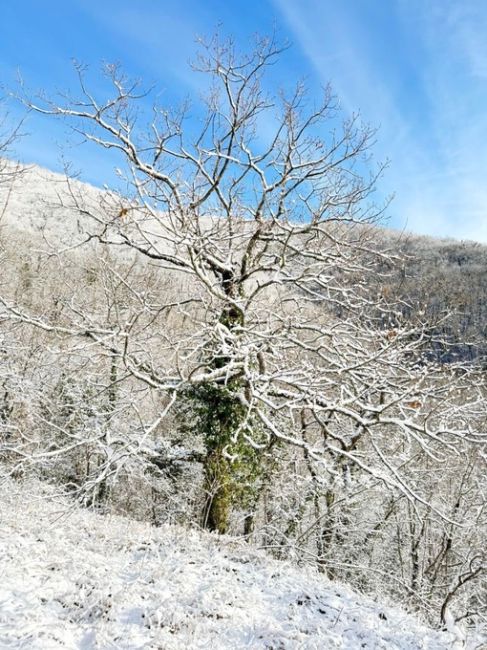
(438, 162)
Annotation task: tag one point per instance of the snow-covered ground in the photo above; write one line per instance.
(70, 578)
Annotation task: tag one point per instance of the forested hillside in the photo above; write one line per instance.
(80, 433)
(446, 281)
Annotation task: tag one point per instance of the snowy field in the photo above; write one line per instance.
(75, 579)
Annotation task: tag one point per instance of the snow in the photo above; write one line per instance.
(71, 578)
(40, 200)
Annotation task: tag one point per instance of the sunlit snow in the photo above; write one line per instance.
(71, 578)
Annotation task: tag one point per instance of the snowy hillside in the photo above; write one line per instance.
(75, 579)
(38, 199)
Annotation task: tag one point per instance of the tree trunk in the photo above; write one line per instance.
(218, 492)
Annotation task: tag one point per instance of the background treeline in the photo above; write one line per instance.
(446, 281)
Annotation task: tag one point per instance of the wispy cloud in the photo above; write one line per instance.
(419, 74)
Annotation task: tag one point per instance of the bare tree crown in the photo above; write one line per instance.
(244, 304)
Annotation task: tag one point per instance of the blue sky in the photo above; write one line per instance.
(417, 69)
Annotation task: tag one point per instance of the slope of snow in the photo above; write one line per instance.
(75, 579)
(36, 199)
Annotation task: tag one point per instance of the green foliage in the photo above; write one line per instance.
(233, 464)
(217, 413)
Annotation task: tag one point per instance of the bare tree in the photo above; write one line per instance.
(262, 219)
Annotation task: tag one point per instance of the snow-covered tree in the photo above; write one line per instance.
(228, 334)
(262, 220)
